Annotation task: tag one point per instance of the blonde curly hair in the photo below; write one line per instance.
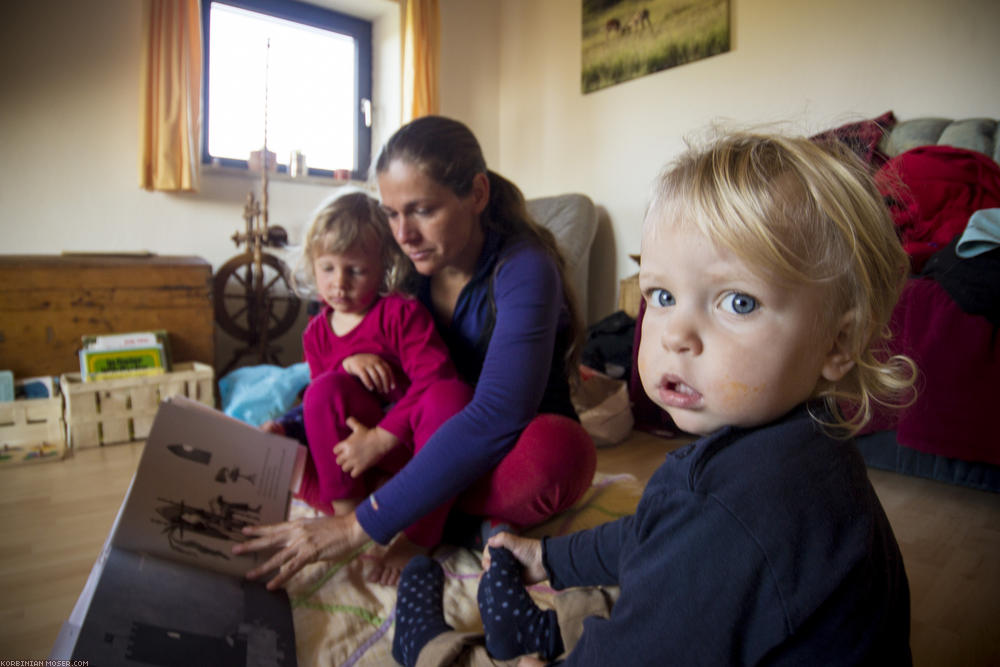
(348, 220)
(806, 213)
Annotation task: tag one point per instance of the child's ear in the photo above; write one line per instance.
(839, 360)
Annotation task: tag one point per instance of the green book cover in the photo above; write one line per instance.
(133, 340)
(104, 364)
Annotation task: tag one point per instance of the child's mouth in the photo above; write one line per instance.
(675, 393)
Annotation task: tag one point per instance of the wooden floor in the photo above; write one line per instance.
(54, 518)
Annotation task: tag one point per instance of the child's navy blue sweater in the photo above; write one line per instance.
(766, 546)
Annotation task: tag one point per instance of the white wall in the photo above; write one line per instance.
(69, 130)
(511, 70)
(470, 69)
(816, 64)
(69, 109)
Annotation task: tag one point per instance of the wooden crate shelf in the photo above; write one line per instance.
(32, 430)
(106, 412)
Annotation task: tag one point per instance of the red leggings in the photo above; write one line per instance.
(548, 469)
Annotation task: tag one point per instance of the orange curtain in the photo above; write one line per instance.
(421, 52)
(170, 92)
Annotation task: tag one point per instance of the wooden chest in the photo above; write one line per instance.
(47, 302)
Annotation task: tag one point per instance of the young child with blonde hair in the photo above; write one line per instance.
(769, 271)
(381, 379)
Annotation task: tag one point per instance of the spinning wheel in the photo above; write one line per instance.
(251, 303)
(255, 301)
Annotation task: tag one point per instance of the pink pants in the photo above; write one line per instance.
(334, 396)
(549, 468)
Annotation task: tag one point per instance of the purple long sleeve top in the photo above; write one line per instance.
(514, 360)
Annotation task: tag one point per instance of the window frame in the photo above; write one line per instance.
(359, 29)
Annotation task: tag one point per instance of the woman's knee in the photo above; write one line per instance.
(550, 467)
(562, 454)
(554, 443)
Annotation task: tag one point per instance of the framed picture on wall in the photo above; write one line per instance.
(626, 39)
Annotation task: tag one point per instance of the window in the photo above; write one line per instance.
(314, 65)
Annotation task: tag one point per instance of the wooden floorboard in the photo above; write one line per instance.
(55, 516)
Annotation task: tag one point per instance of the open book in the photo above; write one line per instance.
(166, 589)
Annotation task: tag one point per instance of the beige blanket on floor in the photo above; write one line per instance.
(341, 619)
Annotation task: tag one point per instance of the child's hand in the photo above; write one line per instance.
(526, 550)
(271, 426)
(363, 447)
(374, 372)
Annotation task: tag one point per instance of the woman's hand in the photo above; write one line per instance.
(374, 372)
(301, 542)
(363, 447)
(527, 551)
(271, 426)
(531, 661)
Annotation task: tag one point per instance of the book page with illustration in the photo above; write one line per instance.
(203, 477)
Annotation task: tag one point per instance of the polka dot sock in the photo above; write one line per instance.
(419, 609)
(514, 624)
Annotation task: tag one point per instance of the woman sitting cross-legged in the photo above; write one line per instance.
(495, 283)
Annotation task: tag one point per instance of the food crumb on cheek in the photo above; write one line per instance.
(733, 392)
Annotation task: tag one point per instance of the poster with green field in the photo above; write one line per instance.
(626, 39)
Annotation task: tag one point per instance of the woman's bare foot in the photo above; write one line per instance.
(388, 562)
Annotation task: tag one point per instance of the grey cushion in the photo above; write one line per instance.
(572, 219)
(976, 134)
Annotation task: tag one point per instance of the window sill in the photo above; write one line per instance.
(276, 176)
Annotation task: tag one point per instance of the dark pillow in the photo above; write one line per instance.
(863, 138)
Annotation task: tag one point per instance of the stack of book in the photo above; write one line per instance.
(124, 355)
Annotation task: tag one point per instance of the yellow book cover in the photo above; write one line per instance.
(130, 362)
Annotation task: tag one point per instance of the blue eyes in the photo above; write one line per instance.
(661, 298)
(740, 304)
(736, 303)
